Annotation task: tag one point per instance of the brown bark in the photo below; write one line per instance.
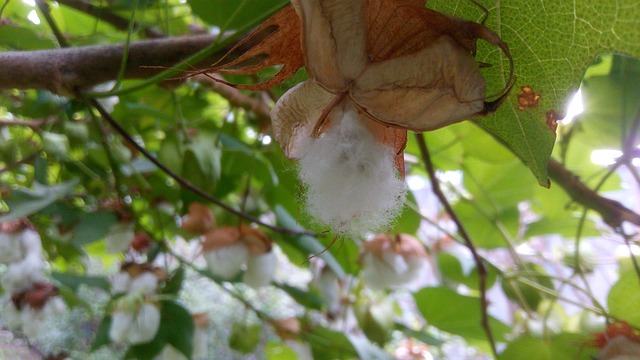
(62, 71)
(611, 211)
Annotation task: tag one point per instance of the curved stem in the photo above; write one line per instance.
(182, 181)
(482, 270)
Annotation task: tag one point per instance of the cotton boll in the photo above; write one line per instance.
(145, 283)
(227, 261)
(351, 180)
(120, 282)
(328, 284)
(392, 262)
(21, 274)
(31, 243)
(260, 270)
(10, 315)
(10, 248)
(620, 348)
(120, 323)
(145, 324)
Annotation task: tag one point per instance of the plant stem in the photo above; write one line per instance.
(182, 181)
(482, 270)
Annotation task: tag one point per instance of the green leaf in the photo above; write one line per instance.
(234, 14)
(93, 227)
(306, 244)
(451, 268)
(623, 298)
(329, 344)
(180, 326)
(24, 202)
(244, 339)
(73, 281)
(102, 334)
(20, 38)
(523, 293)
(276, 350)
(201, 162)
(561, 346)
(174, 284)
(456, 314)
(308, 299)
(549, 60)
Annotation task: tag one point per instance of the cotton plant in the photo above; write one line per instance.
(30, 301)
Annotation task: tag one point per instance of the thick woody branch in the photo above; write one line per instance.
(62, 71)
(612, 212)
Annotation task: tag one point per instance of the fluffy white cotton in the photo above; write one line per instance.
(391, 270)
(10, 248)
(328, 284)
(145, 324)
(137, 327)
(145, 283)
(351, 179)
(260, 270)
(120, 282)
(120, 323)
(227, 261)
(20, 275)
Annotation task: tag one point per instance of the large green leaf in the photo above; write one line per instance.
(561, 346)
(552, 43)
(456, 314)
(234, 14)
(24, 202)
(624, 297)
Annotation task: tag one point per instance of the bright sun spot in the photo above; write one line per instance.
(266, 140)
(33, 17)
(605, 157)
(575, 108)
(30, 2)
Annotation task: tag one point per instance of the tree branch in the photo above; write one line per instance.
(612, 212)
(62, 71)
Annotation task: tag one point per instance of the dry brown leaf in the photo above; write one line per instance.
(277, 42)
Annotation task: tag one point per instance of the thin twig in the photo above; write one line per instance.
(482, 270)
(182, 181)
(46, 12)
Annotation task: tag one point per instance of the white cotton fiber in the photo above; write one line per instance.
(351, 180)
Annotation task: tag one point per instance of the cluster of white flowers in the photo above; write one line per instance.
(136, 318)
(29, 301)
